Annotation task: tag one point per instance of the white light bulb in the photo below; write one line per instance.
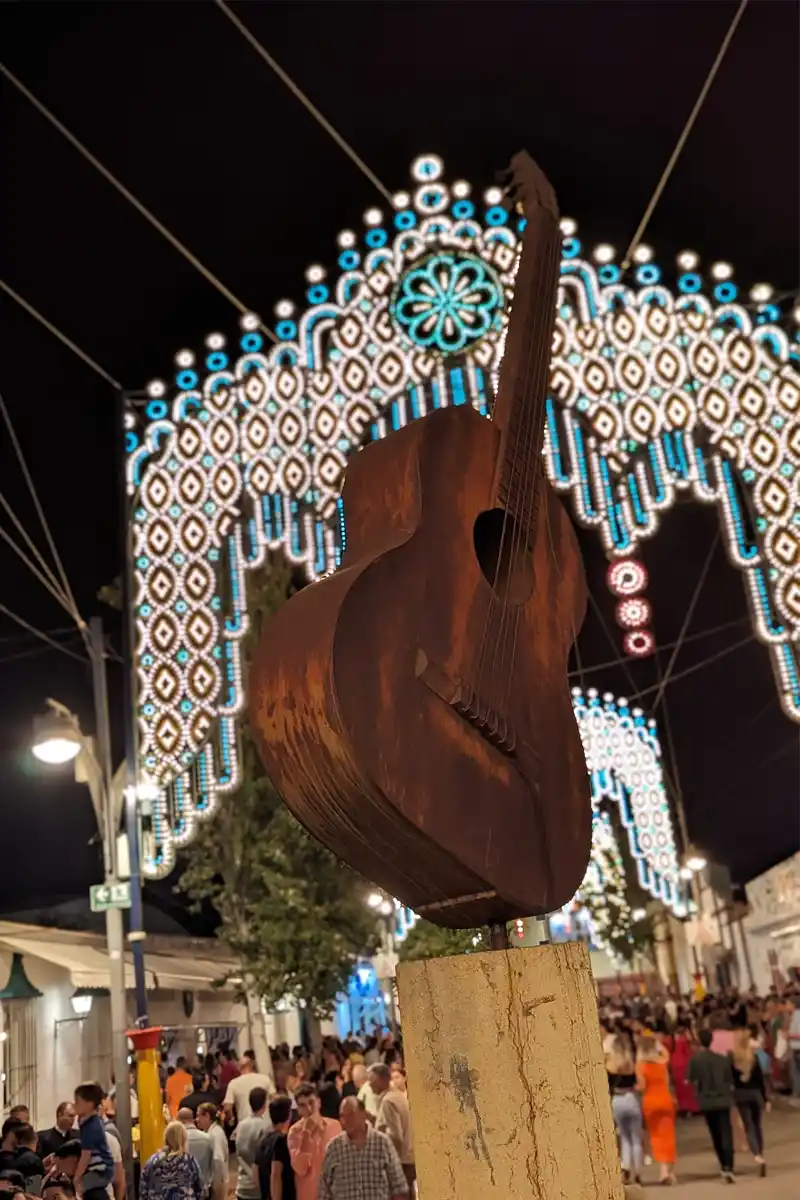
(284, 309)
(346, 239)
(493, 195)
(374, 900)
(401, 199)
(642, 253)
(761, 293)
(426, 168)
(315, 273)
(215, 341)
(56, 750)
(373, 216)
(603, 253)
(250, 321)
(156, 388)
(721, 270)
(184, 358)
(687, 260)
(568, 226)
(796, 313)
(461, 189)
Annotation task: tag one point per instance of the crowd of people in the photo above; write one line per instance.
(722, 1056)
(337, 1125)
(334, 1126)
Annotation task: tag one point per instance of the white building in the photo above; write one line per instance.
(46, 1048)
(772, 926)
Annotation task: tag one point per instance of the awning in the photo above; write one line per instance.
(89, 968)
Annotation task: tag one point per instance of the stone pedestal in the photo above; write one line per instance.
(508, 1092)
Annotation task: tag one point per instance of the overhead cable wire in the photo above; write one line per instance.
(32, 651)
(686, 621)
(21, 637)
(304, 100)
(681, 142)
(621, 660)
(62, 337)
(34, 549)
(56, 593)
(41, 634)
(706, 662)
(129, 196)
(65, 585)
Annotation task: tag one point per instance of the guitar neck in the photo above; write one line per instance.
(520, 406)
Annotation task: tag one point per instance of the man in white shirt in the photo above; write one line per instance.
(206, 1120)
(200, 1148)
(237, 1097)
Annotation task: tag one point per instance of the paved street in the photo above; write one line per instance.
(697, 1168)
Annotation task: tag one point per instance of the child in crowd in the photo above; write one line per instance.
(96, 1164)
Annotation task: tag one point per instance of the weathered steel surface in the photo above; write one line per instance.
(414, 722)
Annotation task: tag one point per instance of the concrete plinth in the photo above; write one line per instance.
(508, 1091)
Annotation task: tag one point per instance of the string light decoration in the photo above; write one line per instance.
(623, 757)
(653, 393)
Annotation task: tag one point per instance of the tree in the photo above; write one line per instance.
(291, 913)
(612, 893)
(426, 940)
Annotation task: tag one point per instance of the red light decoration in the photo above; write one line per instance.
(626, 577)
(639, 643)
(633, 613)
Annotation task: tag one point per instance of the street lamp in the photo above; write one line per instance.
(384, 907)
(58, 739)
(81, 1002)
(694, 860)
(55, 741)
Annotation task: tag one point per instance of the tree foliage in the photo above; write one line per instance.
(291, 913)
(613, 895)
(427, 940)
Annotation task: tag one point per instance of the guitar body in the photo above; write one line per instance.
(415, 723)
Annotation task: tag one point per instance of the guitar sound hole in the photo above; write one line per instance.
(504, 558)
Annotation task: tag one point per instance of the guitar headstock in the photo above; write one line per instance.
(527, 187)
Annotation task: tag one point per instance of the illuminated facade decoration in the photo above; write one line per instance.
(623, 757)
(627, 579)
(654, 392)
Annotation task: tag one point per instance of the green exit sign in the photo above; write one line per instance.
(110, 895)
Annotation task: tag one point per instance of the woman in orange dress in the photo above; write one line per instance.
(658, 1106)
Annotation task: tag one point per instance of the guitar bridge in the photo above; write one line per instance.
(490, 723)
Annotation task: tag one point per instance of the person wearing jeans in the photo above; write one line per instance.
(750, 1094)
(712, 1077)
(626, 1108)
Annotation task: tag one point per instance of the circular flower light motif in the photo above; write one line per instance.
(448, 302)
(633, 613)
(626, 577)
(639, 643)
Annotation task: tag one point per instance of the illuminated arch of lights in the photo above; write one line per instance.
(656, 391)
(623, 757)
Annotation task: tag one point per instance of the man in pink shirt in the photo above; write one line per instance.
(308, 1140)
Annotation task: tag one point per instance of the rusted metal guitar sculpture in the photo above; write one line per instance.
(413, 707)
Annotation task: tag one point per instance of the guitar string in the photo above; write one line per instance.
(516, 412)
(536, 494)
(527, 437)
(533, 489)
(493, 590)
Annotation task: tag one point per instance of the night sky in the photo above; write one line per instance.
(173, 101)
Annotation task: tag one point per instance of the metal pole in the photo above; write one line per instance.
(114, 930)
(136, 933)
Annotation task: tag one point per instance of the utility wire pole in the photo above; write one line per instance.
(115, 935)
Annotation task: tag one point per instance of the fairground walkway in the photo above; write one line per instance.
(698, 1176)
